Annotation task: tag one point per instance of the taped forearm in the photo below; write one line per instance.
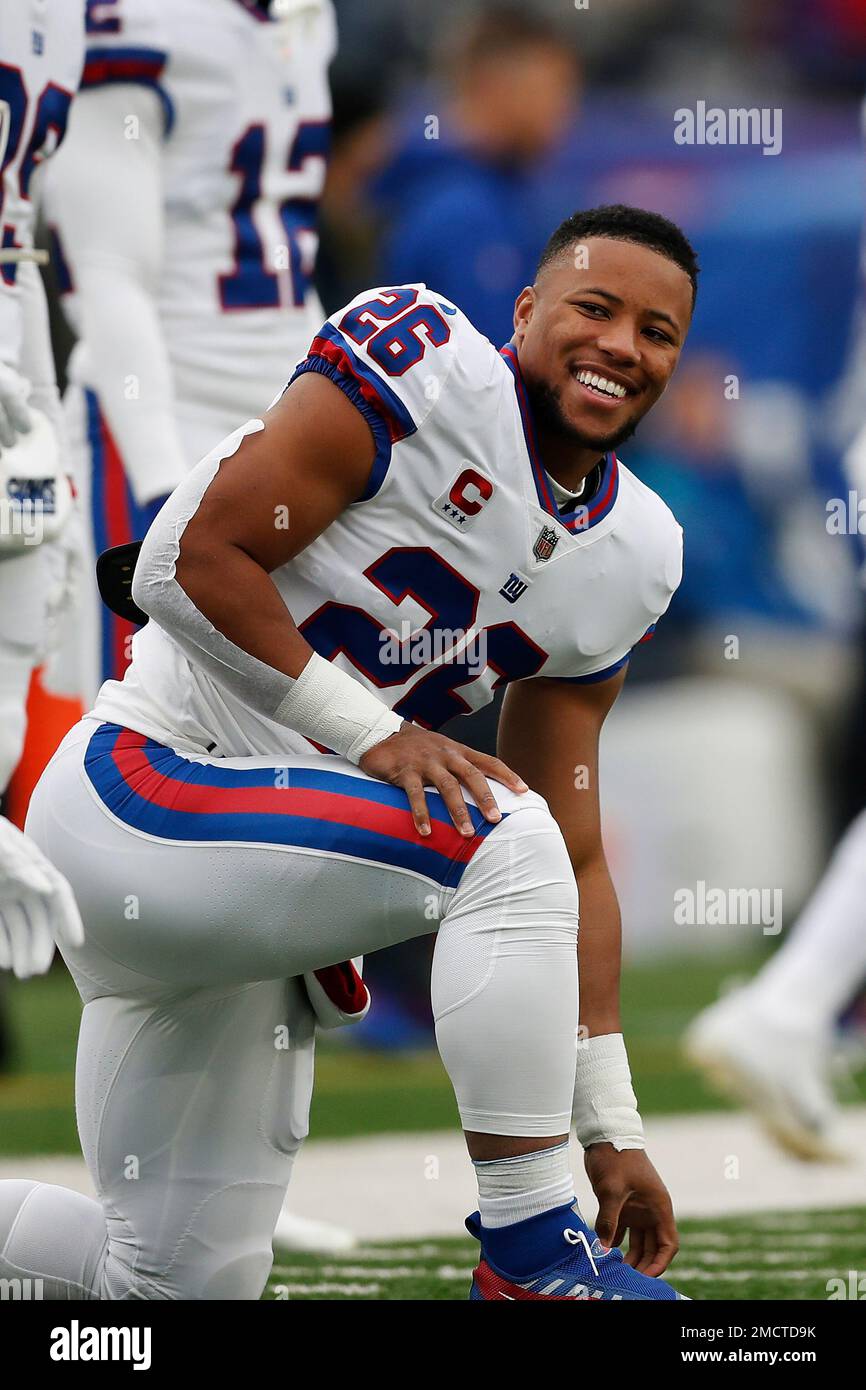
(605, 1106)
(322, 702)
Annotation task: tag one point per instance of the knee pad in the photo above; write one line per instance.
(522, 863)
(518, 894)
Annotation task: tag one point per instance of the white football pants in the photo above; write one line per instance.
(207, 886)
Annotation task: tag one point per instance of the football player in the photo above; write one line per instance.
(41, 53)
(184, 208)
(418, 519)
(184, 211)
(771, 1044)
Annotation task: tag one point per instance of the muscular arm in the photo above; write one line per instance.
(549, 733)
(284, 485)
(204, 576)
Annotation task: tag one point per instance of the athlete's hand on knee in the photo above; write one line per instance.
(37, 906)
(415, 758)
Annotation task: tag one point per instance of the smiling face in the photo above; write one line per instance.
(598, 345)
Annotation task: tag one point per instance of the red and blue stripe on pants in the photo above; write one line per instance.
(157, 791)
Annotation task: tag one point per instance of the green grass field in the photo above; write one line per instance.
(789, 1256)
(785, 1256)
(357, 1091)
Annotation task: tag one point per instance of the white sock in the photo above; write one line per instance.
(513, 1189)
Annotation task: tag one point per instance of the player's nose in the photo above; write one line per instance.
(619, 339)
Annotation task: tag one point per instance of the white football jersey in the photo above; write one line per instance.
(246, 116)
(41, 53)
(454, 574)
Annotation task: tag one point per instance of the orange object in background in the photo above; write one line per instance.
(49, 718)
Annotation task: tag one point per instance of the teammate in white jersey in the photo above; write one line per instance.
(184, 211)
(41, 53)
(772, 1044)
(406, 474)
(185, 208)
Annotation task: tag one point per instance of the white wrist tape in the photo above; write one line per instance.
(331, 707)
(605, 1106)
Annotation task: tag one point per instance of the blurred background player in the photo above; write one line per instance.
(774, 1043)
(456, 190)
(771, 1043)
(184, 212)
(41, 52)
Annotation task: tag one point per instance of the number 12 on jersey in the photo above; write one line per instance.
(253, 284)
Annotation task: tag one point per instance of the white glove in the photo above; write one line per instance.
(37, 906)
(14, 414)
(38, 494)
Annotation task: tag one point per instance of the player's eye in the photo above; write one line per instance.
(659, 336)
(589, 304)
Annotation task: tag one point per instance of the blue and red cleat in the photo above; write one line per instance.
(556, 1255)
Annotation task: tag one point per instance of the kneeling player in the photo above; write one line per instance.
(418, 520)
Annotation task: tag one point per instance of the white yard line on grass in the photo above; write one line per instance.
(329, 1271)
(715, 1164)
(783, 1239)
(279, 1289)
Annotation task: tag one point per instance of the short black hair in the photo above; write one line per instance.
(619, 222)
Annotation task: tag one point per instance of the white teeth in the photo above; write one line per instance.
(601, 384)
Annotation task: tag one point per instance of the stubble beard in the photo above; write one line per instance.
(548, 414)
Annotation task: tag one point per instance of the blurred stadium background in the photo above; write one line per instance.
(729, 761)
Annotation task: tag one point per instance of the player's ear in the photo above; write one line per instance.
(523, 307)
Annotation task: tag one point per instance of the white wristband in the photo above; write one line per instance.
(329, 706)
(605, 1106)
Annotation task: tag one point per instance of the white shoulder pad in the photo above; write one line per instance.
(123, 25)
(128, 41)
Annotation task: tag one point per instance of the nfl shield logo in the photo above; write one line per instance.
(545, 544)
